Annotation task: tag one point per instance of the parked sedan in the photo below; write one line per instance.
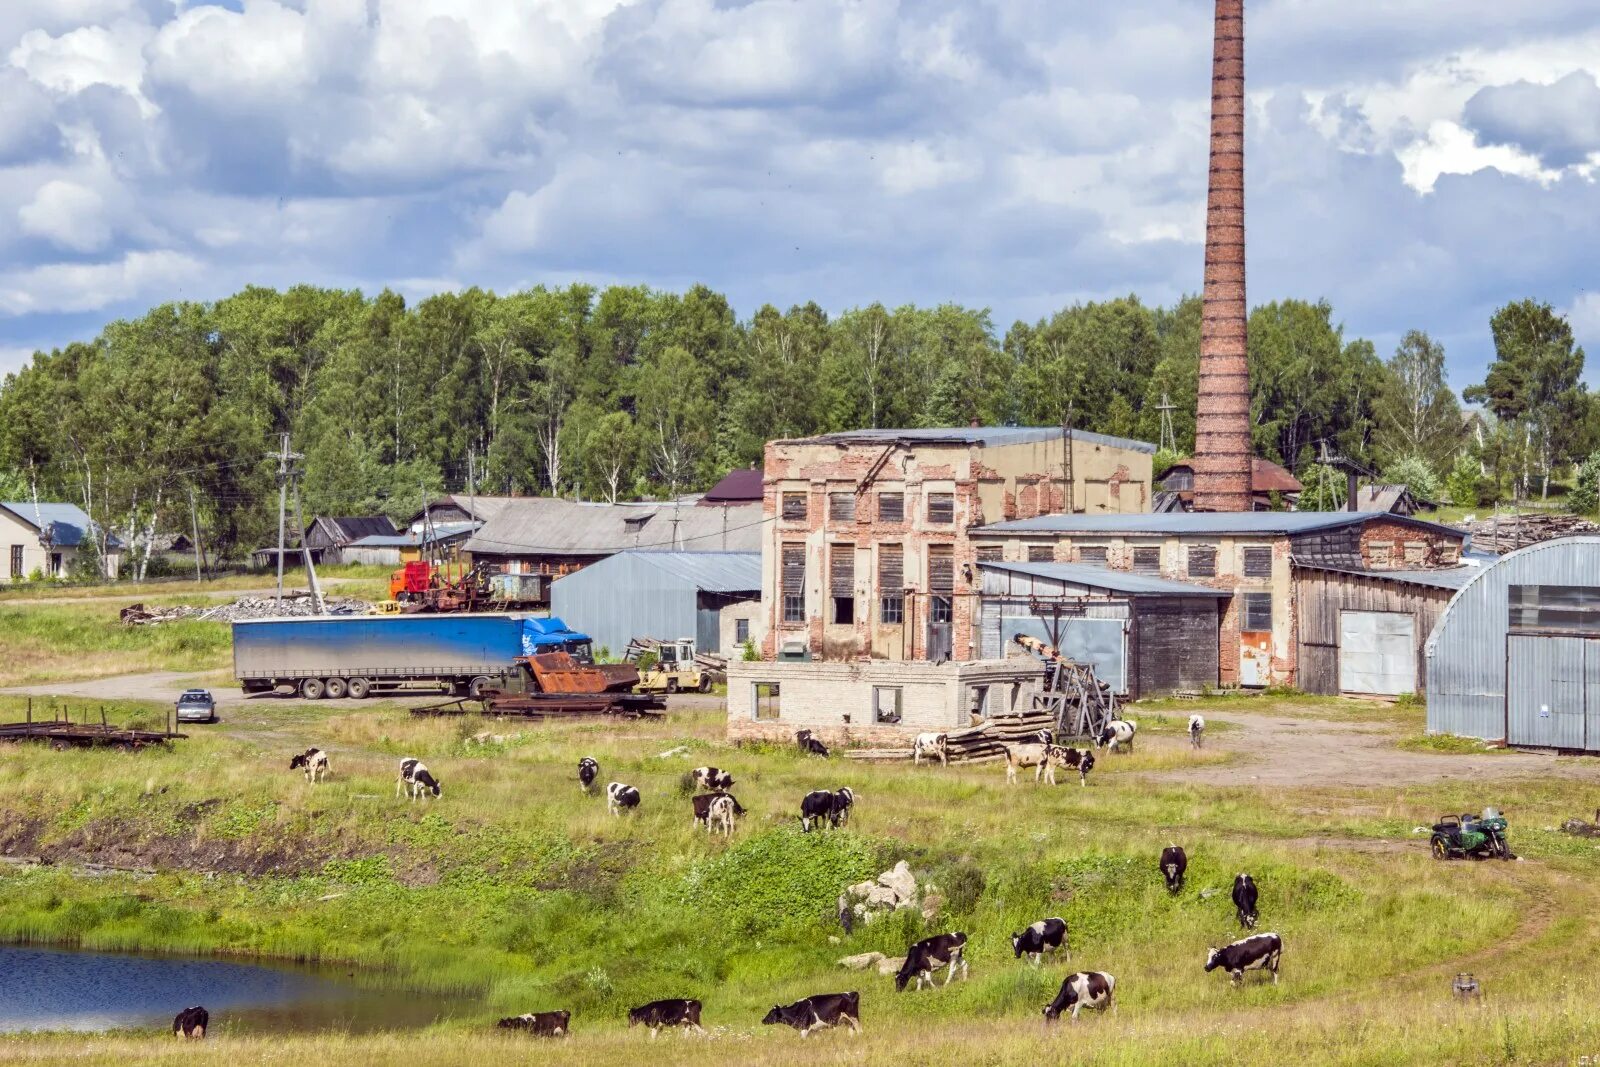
(196, 705)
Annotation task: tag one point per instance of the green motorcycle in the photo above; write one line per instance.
(1471, 836)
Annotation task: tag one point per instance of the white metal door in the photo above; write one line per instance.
(1377, 653)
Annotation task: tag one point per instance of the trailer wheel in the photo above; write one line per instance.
(358, 688)
(59, 745)
(476, 687)
(334, 688)
(311, 688)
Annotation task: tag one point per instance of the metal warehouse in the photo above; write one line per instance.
(712, 597)
(1144, 635)
(1516, 654)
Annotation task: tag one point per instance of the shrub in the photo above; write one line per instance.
(1585, 496)
(1415, 474)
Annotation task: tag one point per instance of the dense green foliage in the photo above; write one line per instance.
(629, 392)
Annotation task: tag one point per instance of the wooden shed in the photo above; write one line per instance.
(1146, 636)
(1362, 632)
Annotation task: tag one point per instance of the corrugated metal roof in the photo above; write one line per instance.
(976, 435)
(1208, 522)
(736, 487)
(443, 531)
(554, 527)
(711, 572)
(67, 523)
(1104, 578)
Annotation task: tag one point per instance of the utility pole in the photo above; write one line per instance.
(1066, 461)
(194, 525)
(1169, 439)
(290, 476)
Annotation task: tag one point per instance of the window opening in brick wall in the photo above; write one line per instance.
(794, 507)
(886, 707)
(764, 700)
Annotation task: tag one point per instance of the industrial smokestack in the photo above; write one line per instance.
(1222, 449)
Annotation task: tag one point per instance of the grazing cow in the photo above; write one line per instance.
(925, 958)
(1256, 952)
(810, 745)
(705, 808)
(820, 804)
(619, 796)
(1083, 989)
(1117, 734)
(1244, 900)
(712, 779)
(414, 777)
(815, 1013)
(540, 1023)
(1046, 737)
(660, 1013)
(1046, 935)
(1058, 756)
(723, 810)
(191, 1022)
(1028, 755)
(931, 745)
(1174, 861)
(588, 771)
(1197, 730)
(315, 762)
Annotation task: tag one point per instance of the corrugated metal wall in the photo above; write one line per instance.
(620, 598)
(1467, 654)
(1322, 596)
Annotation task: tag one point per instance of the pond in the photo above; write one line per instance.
(64, 989)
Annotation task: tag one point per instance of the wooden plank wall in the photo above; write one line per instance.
(1319, 598)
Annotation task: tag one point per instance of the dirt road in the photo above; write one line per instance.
(164, 687)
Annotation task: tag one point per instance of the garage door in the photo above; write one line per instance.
(1545, 690)
(1377, 653)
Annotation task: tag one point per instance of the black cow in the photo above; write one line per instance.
(540, 1023)
(314, 761)
(1244, 900)
(815, 1013)
(1174, 861)
(619, 796)
(810, 745)
(1084, 989)
(414, 777)
(820, 804)
(1256, 952)
(702, 807)
(1046, 935)
(1059, 756)
(712, 778)
(588, 771)
(925, 957)
(191, 1022)
(660, 1013)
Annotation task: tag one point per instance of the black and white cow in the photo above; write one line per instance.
(588, 771)
(414, 777)
(661, 1013)
(712, 779)
(1258, 952)
(1059, 756)
(705, 807)
(1244, 900)
(1174, 861)
(1018, 757)
(191, 1022)
(1046, 737)
(926, 957)
(933, 746)
(313, 761)
(1118, 733)
(540, 1023)
(1197, 730)
(620, 796)
(818, 1012)
(810, 745)
(1082, 989)
(1046, 935)
(820, 804)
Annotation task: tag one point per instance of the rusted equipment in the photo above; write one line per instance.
(555, 683)
(1222, 448)
(62, 733)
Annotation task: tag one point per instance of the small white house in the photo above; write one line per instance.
(46, 538)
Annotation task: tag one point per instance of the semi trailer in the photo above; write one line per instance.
(359, 655)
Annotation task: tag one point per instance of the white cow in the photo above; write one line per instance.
(931, 745)
(1197, 730)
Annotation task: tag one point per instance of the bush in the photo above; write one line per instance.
(1415, 474)
(1464, 484)
(1585, 496)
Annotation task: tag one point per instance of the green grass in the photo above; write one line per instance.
(519, 890)
(50, 643)
(180, 586)
(1449, 744)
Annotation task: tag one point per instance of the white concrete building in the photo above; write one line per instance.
(45, 539)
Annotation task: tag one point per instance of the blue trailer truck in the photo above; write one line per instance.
(358, 655)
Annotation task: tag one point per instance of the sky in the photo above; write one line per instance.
(1416, 163)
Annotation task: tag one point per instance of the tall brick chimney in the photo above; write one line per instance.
(1222, 426)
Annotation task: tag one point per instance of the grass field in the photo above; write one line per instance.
(518, 889)
(182, 587)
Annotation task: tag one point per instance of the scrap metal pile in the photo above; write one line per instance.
(244, 608)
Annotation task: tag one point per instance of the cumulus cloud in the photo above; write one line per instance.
(1559, 123)
(155, 276)
(69, 215)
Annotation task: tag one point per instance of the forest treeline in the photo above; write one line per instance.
(629, 392)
